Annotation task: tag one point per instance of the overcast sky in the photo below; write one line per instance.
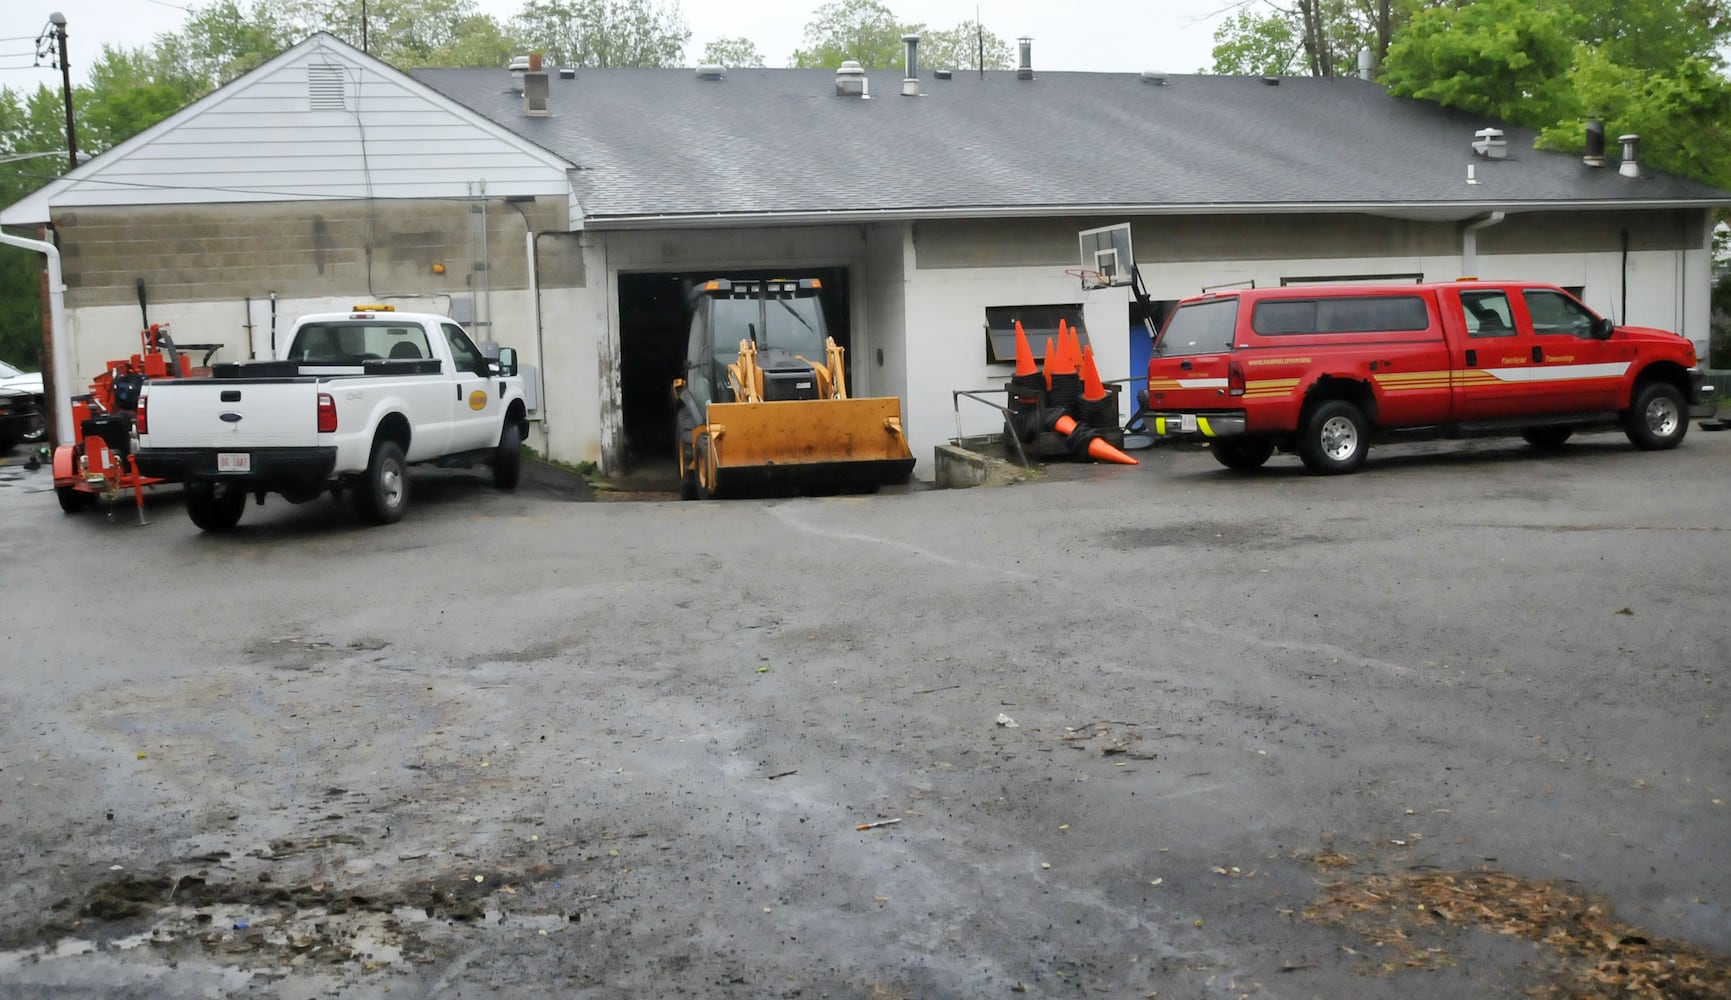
(1106, 35)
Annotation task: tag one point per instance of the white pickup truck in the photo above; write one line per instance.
(354, 399)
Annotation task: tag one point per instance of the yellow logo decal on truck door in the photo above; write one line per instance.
(477, 400)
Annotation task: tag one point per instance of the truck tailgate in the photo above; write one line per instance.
(231, 413)
(1191, 381)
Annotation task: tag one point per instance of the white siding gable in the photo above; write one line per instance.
(321, 121)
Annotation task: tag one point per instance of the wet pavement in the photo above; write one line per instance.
(1133, 723)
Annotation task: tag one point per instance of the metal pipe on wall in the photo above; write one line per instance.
(61, 358)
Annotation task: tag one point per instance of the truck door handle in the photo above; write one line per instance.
(1538, 354)
(1472, 358)
(1185, 365)
(459, 391)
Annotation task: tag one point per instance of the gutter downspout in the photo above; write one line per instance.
(61, 359)
(540, 358)
(1470, 242)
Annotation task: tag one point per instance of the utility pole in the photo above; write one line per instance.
(59, 21)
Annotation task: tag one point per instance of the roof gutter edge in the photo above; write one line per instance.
(1460, 210)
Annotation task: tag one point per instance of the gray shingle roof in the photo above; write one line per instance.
(654, 143)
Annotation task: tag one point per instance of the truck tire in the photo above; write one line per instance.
(383, 491)
(1658, 418)
(1547, 438)
(1243, 453)
(699, 460)
(508, 457)
(1334, 438)
(213, 506)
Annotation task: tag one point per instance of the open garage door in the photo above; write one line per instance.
(653, 328)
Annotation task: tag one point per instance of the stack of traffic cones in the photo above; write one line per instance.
(1072, 388)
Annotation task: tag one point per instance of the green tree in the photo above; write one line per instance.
(604, 33)
(960, 48)
(1251, 43)
(732, 52)
(1509, 59)
(862, 30)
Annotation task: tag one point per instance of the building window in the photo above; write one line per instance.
(1038, 322)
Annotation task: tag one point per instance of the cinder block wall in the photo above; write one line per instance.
(214, 253)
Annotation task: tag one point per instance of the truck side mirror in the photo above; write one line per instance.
(1603, 327)
(507, 363)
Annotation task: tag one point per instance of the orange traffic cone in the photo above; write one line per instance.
(1098, 450)
(1059, 361)
(1024, 354)
(1093, 390)
(1051, 359)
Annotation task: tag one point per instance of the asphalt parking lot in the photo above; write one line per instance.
(1452, 727)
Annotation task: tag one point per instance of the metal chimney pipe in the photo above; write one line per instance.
(911, 79)
(1629, 168)
(1366, 62)
(1025, 71)
(1595, 154)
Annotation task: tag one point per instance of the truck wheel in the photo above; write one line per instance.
(214, 507)
(700, 464)
(1658, 418)
(36, 428)
(1242, 453)
(383, 491)
(72, 501)
(1547, 438)
(508, 457)
(1334, 438)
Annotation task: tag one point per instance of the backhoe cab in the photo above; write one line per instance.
(763, 404)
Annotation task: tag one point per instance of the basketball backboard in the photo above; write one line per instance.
(1107, 250)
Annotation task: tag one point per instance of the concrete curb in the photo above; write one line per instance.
(558, 480)
(956, 467)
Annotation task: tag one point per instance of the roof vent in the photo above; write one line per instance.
(518, 66)
(1154, 77)
(1025, 68)
(1490, 144)
(1595, 152)
(1366, 63)
(1272, 81)
(535, 88)
(711, 71)
(567, 73)
(911, 78)
(850, 80)
(942, 74)
(325, 87)
(1629, 168)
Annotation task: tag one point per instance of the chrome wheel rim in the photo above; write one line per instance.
(391, 483)
(1662, 417)
(1339, 438)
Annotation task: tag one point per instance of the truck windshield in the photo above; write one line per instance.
(791, 325)
(1199, 328)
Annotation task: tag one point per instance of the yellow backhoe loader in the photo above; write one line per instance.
(757, 416)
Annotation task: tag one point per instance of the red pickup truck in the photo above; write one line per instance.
(1322, 370)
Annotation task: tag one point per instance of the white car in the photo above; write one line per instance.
(21, 407)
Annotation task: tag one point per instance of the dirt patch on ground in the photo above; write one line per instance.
(1409, 919)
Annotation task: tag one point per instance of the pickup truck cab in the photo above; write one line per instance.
(354, 399)
(1322, 370)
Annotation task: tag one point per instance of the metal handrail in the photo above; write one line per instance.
(1009, 427)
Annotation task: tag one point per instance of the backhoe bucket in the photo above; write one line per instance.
(807, 446)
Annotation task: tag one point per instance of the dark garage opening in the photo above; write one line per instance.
(653, 328)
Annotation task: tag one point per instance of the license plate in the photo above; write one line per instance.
(233, 461)
(1187, 422)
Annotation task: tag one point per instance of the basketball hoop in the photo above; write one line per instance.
(1090, 279)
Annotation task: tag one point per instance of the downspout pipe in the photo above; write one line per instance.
(1470, 242)
(540, 348)
(62, 357)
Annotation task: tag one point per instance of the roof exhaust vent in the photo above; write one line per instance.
(1490, 144)
(1271, 81)
(1629, 168)
(942, 74)
(711, 71)
(1154, 76)
(1366, 62)
(911, 78)
(850, 80)
(518, 66)
(567, 73)
(535, 88)
(1595, 152)
(1025, 68)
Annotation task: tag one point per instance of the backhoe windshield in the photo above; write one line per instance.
(790, 325)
